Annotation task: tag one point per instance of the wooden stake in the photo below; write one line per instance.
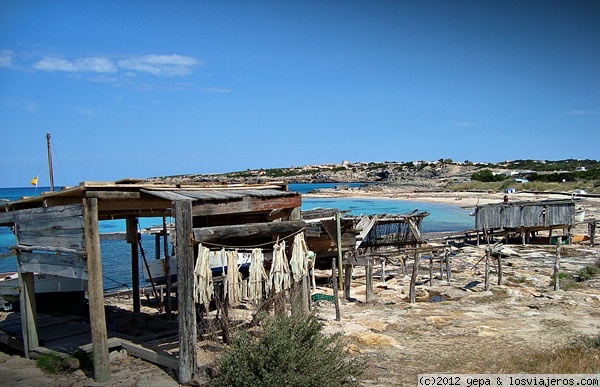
(336, 298)
(369, 280)
(431, 269)
(487, 269)
(185, 290)
(499, 269)
(413, 278)
(132, 238)
(339, 247)
(448, 270)
(96, 291)
(557, 263)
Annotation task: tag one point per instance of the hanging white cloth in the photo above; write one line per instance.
(299, 261)
(203, 283)
(233, 278)
(257, 275)
(279, 277)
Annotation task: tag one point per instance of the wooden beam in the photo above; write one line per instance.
(185, 291)
(132, 238)
(242, 231)
(246, 204)
(71, 266)
(96, 291)
(28, 311)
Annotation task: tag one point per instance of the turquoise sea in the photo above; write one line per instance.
(116, 259)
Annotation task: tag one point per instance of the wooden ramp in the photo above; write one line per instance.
(69, 333)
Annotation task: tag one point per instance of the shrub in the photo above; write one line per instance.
(52, 364)
(290, 351)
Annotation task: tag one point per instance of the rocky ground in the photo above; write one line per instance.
(466, 329)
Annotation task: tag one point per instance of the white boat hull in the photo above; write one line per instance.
(43, 283)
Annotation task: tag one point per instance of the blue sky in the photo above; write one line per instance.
(151, 88)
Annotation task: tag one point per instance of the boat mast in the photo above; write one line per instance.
(50, 162)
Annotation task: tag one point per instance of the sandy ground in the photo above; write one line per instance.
(463, 332)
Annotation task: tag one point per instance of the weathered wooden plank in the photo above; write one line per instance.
(162, 359)
(44, 214)
(96, 292)
(71, 266)
(247, 204)
(250, 230)
(69, 239)
(185, 291)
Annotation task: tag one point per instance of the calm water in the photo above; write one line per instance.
(116, 256)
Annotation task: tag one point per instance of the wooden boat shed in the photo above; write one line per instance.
(57, 233)
(526, 217)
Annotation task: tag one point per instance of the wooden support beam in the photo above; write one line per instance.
(246, 204)
(369, 280)
(96, 291)
(557, 264)
(487, 269)
(185, 290)
(28, 311)
(250, 230)
(132, 238)
(413, 278)
(338, 226)
(347, 280)
(336, 298)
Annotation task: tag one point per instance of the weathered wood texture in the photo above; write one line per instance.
(185, 290)
(525, 214)
(71, 266)
(60, 226)
(223, 234)
(96, 291)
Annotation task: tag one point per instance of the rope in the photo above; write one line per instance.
(249, 247)
(279, 277)
(257, 275)
(203, 283)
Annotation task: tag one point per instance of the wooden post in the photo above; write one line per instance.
(336, 298)
(431, 269)
(413, 278)
(557, 264)
(369, 279)
(28, 310)
(522, 235)
(96, 290)
(403, 265)
(132, 238)
(383, 259)
(338, 216)
(347, 280)
(499, 269)
(448, 270)
(168, 269)
(550, 236)
(442, 266)
(185, 290)
(487, 270)
(592, 232)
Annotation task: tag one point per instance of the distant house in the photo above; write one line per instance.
(581, 169)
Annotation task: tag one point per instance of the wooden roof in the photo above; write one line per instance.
(136, 198)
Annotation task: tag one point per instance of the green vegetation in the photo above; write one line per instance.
(290, 351)
(52, 364)
(487, 175)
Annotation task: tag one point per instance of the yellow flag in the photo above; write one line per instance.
(34, 181)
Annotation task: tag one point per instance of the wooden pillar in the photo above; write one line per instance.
(442, 265)
(448, 270)
(168, 269)
(382, 279)
(487, 270)
(523, 235)
(157, 245)
(592, 232)
(499, 269)
(557, 264)
(413, 278)
(336, 298)
(550, 236)
(338, 216)
(185, 291)
(347, 281)
(132, 238)
(369, 279)
(28, 310)
(431, 269)
(96, 290)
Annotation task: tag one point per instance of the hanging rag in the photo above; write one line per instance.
(233, 278)
(203, 283)
(257, 275)
(299, 261)
(279, 277)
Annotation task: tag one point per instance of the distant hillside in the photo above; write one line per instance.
(423, 175)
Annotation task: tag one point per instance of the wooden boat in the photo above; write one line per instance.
(45, 284)
(554, 241)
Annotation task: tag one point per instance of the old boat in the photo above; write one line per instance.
(47, 287)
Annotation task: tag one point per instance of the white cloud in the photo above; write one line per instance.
(79, 65)
(160, 65)
(584, 112)
(6, 57)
